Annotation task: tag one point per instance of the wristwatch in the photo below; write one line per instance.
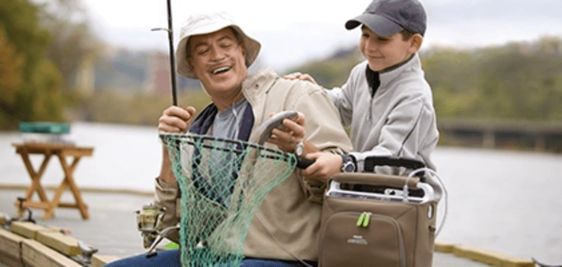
(347, 163)
(299, 149)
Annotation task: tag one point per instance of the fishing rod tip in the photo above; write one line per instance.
(161, 29)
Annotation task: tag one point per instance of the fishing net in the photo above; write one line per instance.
(222, 183)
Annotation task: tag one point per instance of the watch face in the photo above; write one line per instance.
(347, 164)
(299, 149)
(349, 167)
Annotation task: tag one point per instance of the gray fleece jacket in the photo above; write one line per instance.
(399, 120)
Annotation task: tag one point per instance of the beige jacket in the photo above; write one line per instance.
(287, 223)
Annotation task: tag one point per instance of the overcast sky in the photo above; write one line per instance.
(292, 31)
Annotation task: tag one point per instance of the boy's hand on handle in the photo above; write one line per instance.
(176, 119)
(300, 76)
(325, 166)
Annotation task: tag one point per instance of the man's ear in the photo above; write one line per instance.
(189, 64)
(416, 42)
(243, 49)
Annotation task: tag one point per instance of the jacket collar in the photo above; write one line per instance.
(252, 88)
(388, 76)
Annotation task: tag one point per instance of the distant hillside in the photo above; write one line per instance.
(516, 81)
(513, 82)
(122, 69)
(332, 71)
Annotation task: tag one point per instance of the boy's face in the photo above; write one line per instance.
(384, 52)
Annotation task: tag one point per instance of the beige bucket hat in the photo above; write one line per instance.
(209, 23)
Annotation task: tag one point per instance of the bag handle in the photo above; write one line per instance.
(372, 161)
(404, 182)
(376, 179)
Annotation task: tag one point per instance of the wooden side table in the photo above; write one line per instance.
(62, 152)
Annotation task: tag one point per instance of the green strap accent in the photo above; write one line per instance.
(171, 246)
(360, 219)
(363, 219)
(366, 219)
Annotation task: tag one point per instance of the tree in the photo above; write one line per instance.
(515, 81)
(333, 71)
(35, 94)
(72, 41)
(10, 77)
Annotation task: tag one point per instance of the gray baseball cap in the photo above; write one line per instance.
(387, 17)
(198, 24)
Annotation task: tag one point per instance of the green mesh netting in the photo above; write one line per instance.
(222, 183)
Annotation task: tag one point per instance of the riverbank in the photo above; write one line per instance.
(499, 200)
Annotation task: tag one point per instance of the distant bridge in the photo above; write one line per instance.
(544, 137)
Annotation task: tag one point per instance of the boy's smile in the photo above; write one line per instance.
(384, 52)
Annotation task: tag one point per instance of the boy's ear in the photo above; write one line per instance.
(416, 42)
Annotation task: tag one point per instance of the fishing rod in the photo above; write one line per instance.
(170, 31)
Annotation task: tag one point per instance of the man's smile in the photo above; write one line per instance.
(221, 70)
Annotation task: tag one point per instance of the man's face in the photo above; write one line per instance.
(218, 61)
(384, 52)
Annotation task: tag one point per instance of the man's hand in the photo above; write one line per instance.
(289, 134)
(176, 119)
(300, 76)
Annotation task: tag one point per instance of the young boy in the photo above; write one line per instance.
(386, 100)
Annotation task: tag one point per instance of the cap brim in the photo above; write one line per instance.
(378, 24)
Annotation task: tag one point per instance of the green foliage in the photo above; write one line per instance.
(517, 81)
(333, 71)
(48, 102)
(21, 23)
(10, 77)
(34, 92)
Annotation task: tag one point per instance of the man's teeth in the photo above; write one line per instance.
(221, 70)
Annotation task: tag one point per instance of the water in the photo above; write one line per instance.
(124, 157)
(508, 202)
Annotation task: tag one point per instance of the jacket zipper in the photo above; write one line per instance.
(372, 102)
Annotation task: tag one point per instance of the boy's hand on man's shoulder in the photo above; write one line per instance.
(300, 76)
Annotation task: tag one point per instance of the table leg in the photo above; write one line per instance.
(56, 199)
(35, 180)
(69, 181)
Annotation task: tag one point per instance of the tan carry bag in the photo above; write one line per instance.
(385, 225)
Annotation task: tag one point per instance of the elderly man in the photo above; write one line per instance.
(215, 50)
